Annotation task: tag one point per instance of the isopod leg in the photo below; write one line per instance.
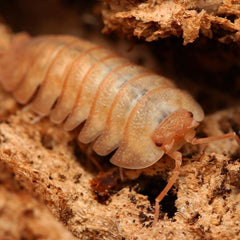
(88, 150)
(191, 138)
(177, 156)
(121, 174)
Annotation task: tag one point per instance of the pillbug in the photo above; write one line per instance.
(124, 107)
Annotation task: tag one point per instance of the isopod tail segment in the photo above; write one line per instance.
(173, 132)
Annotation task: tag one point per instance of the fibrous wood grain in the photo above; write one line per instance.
(24, 217)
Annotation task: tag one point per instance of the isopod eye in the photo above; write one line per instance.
(191, 114)
(158, 144)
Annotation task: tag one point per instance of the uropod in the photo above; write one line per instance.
(123, 106)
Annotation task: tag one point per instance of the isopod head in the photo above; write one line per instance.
(171, 133)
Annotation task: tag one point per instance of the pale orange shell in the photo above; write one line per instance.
(73, 81)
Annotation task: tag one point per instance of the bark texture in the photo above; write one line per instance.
(154, 19)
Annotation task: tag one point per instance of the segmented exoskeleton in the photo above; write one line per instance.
(125, 106)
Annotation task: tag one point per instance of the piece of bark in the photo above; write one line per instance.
(154, 19)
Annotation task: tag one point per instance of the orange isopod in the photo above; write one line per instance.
(124, 106)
